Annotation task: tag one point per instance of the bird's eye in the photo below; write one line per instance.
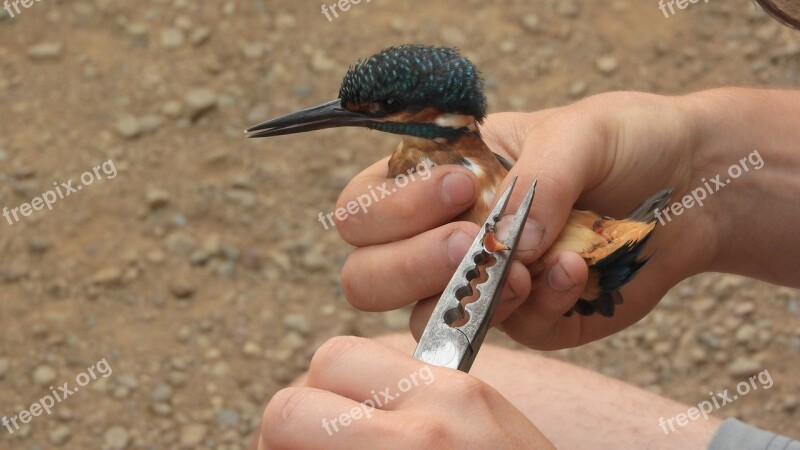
(391, 105)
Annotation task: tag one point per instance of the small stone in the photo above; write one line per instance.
(107, 276)
(507, 46)
(172, 108)
(128, 127)
(746, 333)
(161, 393)
(200, 101)
(454, 36)
(59, 435)
(200, 36)
(44, 375)
(182, 288)
(297, 322)
(253, 50)
(744, 367)
(744, 308)
(250, 348)
(192, 435)
(577, 89)
(45, 50)
(161, 409)
(157, 198)
(607, 64)
(568, 8)
(150, 123)
(321, 63)
(172, 37)
(530, 22)
(117, 438)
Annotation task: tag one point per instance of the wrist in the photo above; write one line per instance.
(746, 158)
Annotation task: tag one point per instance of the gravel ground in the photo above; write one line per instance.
(194, 277)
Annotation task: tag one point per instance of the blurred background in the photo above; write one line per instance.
(201, 272)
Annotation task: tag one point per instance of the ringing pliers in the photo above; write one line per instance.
(456, 329)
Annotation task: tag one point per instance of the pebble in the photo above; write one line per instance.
(530, 22)
(200, 36)
(44, 375)
(200, 102)
(128, 127)
(250, 348)
(172, 108)
(744, 367)
(607, 64)
(568, 8)
(161, 393)
(577, 89)
(746, 333)
(182, 288)
(192, 435)
(297, 322)
(454, 36)
(744, 308)
(172, 37)
(45, 51)
(117, 438)
(321, 63)
(59, 435)
(107, 276)
(156, 198)
(253, 50)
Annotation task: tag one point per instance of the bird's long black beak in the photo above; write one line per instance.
(326, 115)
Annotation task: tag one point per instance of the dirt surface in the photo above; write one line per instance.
(199, 272)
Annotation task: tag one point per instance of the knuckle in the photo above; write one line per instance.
(355, 284)
(432, 433)
(284, 406)
(331, 351)
(474, 391)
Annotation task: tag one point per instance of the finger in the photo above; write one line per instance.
(373, 209)
(386, 378)
(390, 276)
(515, 292)
(505, 132)
(562, 156)
(554, 292)
(308, 418)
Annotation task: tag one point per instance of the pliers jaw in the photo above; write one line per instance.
(447, 343)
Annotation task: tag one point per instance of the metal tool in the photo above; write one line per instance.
(448, 342)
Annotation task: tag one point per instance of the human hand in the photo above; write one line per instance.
(416, 405)
(606, 154)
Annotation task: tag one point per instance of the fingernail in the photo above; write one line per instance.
(558, 278)
(457, 189)
(457, 245)
(532, 236)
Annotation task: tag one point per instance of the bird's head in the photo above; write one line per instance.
(413, 90)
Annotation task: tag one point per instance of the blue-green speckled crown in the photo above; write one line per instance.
(417, 76)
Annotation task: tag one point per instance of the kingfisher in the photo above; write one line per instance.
(433, 97)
